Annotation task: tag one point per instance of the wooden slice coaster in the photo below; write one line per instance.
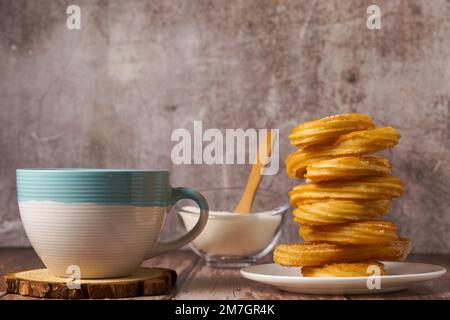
(42, 284)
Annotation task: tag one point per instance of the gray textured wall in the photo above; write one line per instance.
(111, 94)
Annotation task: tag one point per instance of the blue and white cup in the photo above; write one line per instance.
(101, 222)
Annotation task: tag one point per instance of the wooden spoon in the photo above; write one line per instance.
(246, 202)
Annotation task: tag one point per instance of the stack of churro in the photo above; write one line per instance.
(345, 194)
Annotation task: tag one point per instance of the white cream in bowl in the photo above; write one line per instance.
(232, 234)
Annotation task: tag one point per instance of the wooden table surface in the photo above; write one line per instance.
(198, 281)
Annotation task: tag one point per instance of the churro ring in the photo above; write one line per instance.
(307, 254)
(354, 143)
(372, 188)
(367, 141)
(361, 232)
(339, 211)
(327, 130)
(297, 161)
(356, 269)
(350, 167)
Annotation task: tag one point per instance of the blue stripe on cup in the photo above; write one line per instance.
(143, 188)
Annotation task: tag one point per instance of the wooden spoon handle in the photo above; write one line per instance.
(264, 150)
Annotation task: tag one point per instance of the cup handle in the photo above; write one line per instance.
(178, 194)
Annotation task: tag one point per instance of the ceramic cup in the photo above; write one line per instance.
(102, 223)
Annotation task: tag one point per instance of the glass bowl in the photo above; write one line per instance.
(235, 240)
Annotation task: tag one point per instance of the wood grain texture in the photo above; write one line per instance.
(182, 261)
(210, 283)
(198, 281)
(17, 259)
(20, 259)
(227, 284)
(39, 283)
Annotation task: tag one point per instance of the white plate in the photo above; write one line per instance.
(400, 275)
